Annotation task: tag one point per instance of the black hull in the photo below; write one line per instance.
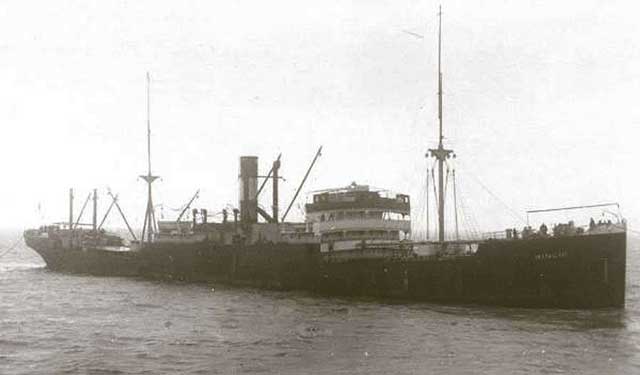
(567, 272)
(570, 272)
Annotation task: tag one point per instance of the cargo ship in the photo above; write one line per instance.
(354, 241)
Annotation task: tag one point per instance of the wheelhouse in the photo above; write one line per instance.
(355, 216)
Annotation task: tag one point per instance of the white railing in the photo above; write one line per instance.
(582, 230)
(362, 224)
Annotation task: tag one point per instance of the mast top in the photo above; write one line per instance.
(440, 153)
(149, 123)
(440, 74)
(149, 178)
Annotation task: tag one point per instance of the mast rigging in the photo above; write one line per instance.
(82, 211)
(441, 154)
(149, 227)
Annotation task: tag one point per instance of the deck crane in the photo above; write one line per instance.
(188, 205)
(302, 183)
(272, 175)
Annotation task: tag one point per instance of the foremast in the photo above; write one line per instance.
(441, 154)
(149, 227)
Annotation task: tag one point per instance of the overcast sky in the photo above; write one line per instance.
(541, 101)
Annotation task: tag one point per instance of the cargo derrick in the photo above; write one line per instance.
(246, 228)
(274, 177)
(304, 179)
(247, 251)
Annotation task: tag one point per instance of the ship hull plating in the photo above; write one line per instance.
(561, 272)
(570, 272)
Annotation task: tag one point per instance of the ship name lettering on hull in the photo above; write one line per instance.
(558, 254)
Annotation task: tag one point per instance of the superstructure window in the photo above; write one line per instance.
(332, 236)
(394, 216)
(374, 215)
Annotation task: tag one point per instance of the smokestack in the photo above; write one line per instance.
(248, 189)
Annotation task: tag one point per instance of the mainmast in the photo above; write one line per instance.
(149, 226)
(440, 154)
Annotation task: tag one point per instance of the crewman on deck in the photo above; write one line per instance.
(543, 229)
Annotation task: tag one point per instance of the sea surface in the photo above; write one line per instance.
(53, 323)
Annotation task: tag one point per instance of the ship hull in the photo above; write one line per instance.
(567, 272)
(281, 266)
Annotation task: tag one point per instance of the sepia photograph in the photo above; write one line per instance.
(319, 187)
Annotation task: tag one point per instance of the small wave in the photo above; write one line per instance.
(67, 320)
(183, 343)
(74, 349)
(340, 310)
(147, 305)
(13, 266)
(99, 370)
(13, 343)
(308, 332)
(230, 323)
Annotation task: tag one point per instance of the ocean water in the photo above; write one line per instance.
(53, 323)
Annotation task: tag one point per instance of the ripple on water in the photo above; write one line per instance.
(17, 266)
(305, 331)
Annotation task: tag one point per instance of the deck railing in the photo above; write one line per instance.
(362, 224)
(584, 230)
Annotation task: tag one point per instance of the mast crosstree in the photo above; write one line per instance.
(441, 154)
(149, 227)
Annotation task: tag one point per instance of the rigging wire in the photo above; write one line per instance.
(455, 202)
(431, 174)
(435, 198)
(446, 181)
(10, 248)
(513, 212)
(468, 222)
(435, 193)
(427, 202)
(467, 214)
(417, 229)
